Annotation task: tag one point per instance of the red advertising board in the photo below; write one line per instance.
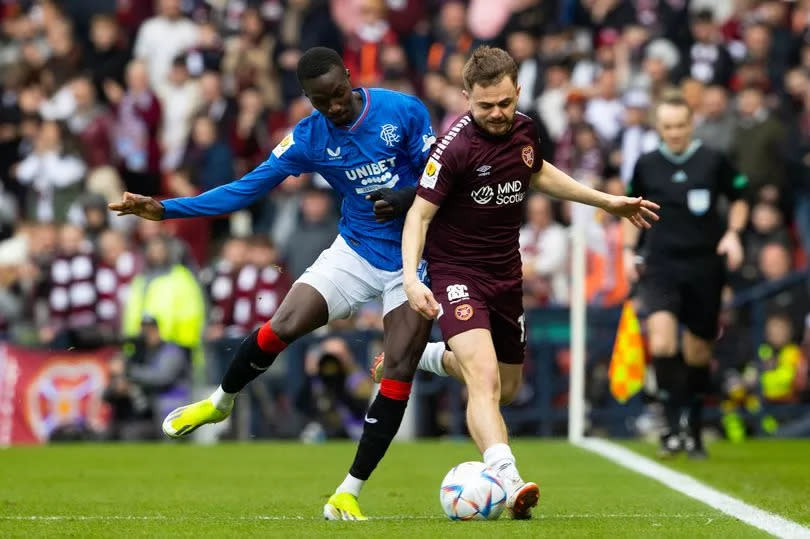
(41, 390)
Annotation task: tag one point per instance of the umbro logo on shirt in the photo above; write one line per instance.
(679, 177)
(334, 154)
(484, 170)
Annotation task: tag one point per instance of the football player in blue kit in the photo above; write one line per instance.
(371, 146)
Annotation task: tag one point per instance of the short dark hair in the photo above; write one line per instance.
(316, 62)
(675, 99)
(488, 66)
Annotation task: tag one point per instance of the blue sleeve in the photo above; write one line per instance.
(420, 134)
(287, 159)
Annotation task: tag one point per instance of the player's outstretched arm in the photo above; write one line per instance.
(221, 200)
(417, 221)
(558, 184)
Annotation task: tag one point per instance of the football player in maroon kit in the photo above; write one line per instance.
(469, 206)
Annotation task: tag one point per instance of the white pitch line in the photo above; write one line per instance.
(759, 518)
(59, 518)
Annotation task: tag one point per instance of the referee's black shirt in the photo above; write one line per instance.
(686, 186)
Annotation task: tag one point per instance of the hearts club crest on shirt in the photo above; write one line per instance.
(527, 153)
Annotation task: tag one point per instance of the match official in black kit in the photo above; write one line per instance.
(685, 257)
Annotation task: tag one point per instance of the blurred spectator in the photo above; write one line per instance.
(305, 24)
(798, 153)
(90, 212)
(760, 50)
(604, 110)
(759, 143)
(168, 291)
(138, 119)
(523, 48)
(336, 394)
(92, 124)
(207, 52)
(363, 47)
(774, 266)
(775, 376)
(544, 253)
(250, 138)
(107, 56)
(65, 59)
(395, 72)
(116, 266)
(162, 38)
(588, 163)
(451, 35)
(10, 151)
(708, 60)
(71, 292)
(215, 104)
(209, 159)
(716, 123)
(315, 232)
(13, 253)
(52, 174)
(220, 281)
(272, 282)
(661, 57)
(636, 136)
(574, 116)
(179, 100)
(154, 379)
(766, 226)
(552, 102)
(692, 92)
(248, 59)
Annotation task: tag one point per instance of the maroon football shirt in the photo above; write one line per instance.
(480, 183)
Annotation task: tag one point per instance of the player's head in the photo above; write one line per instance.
(325, 81)
(673, 120)
(490, 86)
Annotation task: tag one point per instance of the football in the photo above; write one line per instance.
(472, 491)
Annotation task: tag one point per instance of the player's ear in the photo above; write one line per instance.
(466, 94)
(517, 93)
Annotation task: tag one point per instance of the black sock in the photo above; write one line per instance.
(698, 381)
(671, 379)
(377, 435)
(248, 363)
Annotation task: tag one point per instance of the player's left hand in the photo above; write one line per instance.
(391, 203)
(731, 246)
(639, 211)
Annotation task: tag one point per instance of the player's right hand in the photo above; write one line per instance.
(142, 206)
(421, 299)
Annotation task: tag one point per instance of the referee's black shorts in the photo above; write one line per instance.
(689, 287)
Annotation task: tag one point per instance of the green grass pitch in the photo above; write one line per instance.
(278, 489)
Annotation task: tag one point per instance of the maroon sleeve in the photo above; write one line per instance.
(441, 170)
(537, 156)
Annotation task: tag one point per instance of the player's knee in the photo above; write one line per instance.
(697, 356)
(484, 383)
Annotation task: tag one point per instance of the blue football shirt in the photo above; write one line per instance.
(386, 146)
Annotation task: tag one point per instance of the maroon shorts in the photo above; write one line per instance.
(469, 302)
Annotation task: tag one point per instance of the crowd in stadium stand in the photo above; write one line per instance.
(174, 97)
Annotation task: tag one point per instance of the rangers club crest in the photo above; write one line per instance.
(527, 153)
(388, 133)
